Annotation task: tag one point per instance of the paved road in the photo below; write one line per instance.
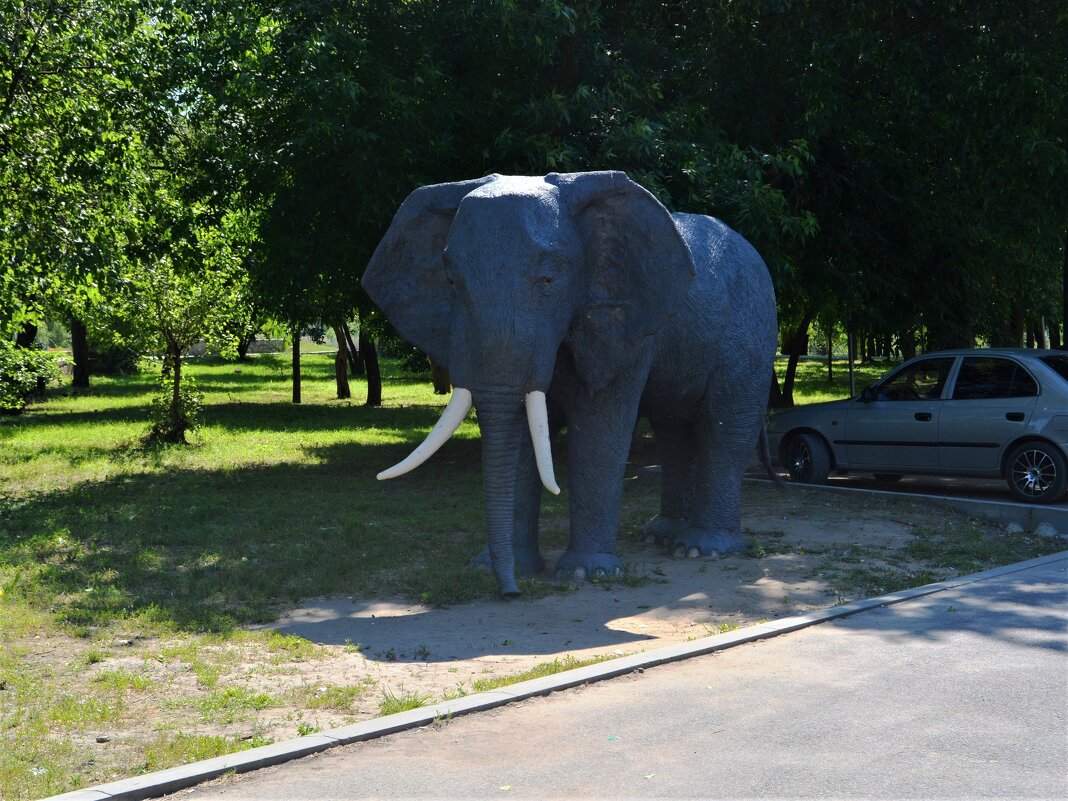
(962, 694)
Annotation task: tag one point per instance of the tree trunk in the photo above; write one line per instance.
(775, 398)
(830, 359)
(341, 364)
(79, 347)
(794, 345)
(439, 376)
(177, 429)
(1054, 335)
(370, 362)
(906, 342)
(296, 364)
(355, 362)
(1064, 288)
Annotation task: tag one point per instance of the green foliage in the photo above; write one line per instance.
(22, 370)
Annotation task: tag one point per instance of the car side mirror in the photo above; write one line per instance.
(867, 395)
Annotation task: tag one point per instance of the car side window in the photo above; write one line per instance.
(922, 380)
(986, 377)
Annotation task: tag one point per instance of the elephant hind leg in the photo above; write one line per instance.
(726, 438)
(675, 444)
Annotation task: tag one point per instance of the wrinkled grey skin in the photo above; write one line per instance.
(585, 287)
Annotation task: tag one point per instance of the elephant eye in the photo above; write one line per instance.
(546, 280)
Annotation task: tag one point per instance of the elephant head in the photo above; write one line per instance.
(493, 277)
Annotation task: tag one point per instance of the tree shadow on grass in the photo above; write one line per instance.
(212, 549)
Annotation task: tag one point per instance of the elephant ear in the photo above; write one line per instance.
(638, 270)
(406, 275)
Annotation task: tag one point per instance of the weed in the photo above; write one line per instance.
(177, 748)
(231, 704)
(558, 665)
(339, 698)
(122, 681)
(304, 729)
(391, 704)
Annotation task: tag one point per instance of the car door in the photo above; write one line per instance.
(990, 403)
(898, 429)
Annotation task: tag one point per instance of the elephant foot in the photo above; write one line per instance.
(528, 562)
(716, 543)
(661, 530)
(592, 566)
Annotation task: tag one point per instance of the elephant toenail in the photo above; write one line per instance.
(694, 553)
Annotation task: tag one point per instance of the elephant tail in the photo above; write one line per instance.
(765, 456)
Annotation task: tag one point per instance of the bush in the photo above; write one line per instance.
(23, 374)
(170, 422)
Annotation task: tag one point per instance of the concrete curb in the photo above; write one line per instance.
(1027, 516)
(162, 782)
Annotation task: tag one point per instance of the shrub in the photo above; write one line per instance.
(23, 373)
(170, 420)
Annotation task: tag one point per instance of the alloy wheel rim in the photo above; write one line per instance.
(1033, 472)
(802, 459)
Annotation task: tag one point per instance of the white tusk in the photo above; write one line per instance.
(538, 418)
(455, 412)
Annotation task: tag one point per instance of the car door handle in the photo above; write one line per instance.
(1016, 417)
(923, 417)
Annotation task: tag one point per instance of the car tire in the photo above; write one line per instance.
(1037, 472)
(808, 459)
(888, 478)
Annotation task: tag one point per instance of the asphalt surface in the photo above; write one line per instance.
(980, 489)
(959, 694)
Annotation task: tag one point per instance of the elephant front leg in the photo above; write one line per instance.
(598, 447)
(528, 489)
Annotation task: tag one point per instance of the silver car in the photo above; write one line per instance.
(981, 413)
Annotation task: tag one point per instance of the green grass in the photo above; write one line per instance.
(391, 703)
(811, 385)
(558, 665)
(337, 697)
(178, 748)
(205, 537)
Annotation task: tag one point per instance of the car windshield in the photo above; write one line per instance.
(1059, 364)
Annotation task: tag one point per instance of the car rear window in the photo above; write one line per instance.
(1059, 364)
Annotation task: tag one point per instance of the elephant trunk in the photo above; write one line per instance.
(501, 420)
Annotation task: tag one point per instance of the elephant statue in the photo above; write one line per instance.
(580, 299)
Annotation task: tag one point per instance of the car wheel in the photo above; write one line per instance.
(808, 459)
(1037, 472)
(889, 478)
